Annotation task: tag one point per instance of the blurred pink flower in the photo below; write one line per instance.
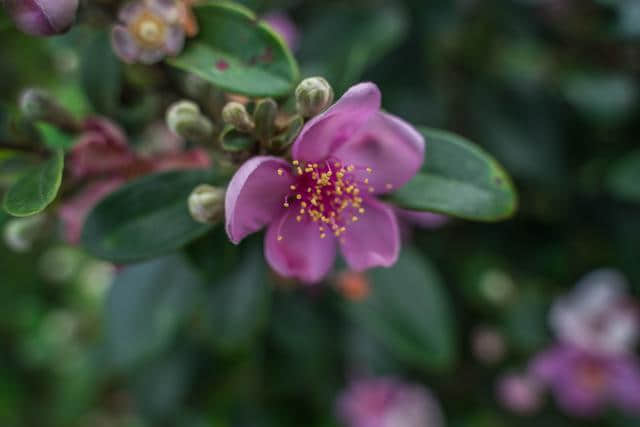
(520, 393)
(102, 161)
(149, 31)
(343, 159)
(42, 17)
(283, 25)
(597, 316)
(585, 384)
(388, 402)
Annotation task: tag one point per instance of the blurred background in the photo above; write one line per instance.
(549, 87)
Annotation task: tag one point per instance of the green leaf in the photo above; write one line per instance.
(236, 306)
(35, 190)
(146, 306)
(101, 74)
(233, 141)
(624, 177)
(408, 311)
(341, 42)
(238, 53)
(54, 137)
(146, 218)
(458, 179)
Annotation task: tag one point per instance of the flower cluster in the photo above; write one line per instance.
(592, 364)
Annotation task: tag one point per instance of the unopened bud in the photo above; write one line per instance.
(21, 233)
(264, 116)
(37, 104)
(206, 204)
(235, 114)
(42, 17)
(313, 96)
(185, 119)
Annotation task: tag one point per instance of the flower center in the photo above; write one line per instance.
(328, 194)
(149, 29)
(591, 375)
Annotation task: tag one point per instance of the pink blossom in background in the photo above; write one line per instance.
(101, 161)
(585, 384)
(42, 17)
(520, 393)
(149, 30)
(326, 198)
(284, 25)
(388, 402)
(598, 316)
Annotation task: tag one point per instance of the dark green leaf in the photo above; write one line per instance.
(342, 42)
(146, 306)
(35, 190)
(146, 218)
(458, 179)
(409, 311)
(101, 74)
(624, 178)
(236, 52)
(236, 306)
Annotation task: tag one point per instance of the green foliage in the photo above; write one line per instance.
(37, 188)
(237, 53)
(101, 73)
(409, 311)
(624, 177)
(458, 179)
(146, 218)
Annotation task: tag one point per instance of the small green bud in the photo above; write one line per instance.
(264, 116)
(185, 119)
(313, 96)
(236, 115)
(21, 233)
(206, 204)
(37, 104)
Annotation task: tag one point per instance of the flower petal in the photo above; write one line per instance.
(167, 9)
(625, 383)
(390, 147)
(130, 11)
(192, 159)
(373, 240)
(74, 211)
(255, 195)
(295, 249)
(174, 40)
(327, 131)
(124, 45)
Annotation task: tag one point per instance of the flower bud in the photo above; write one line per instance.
(21, 233)
(264, 117)
(42, 17)
(235, 114)
(206, 204)
(185, 119)
(37, 104)
(313, 96)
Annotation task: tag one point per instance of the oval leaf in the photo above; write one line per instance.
(35, 190)
(237, 53)
(458, 179)
(146, 305)
(411, 316)
(146, 218)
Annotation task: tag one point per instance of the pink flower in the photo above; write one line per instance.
(103, 161)
(343, 159)
(597, 316)
(149, 31)
(521, 394)
(388, 402)
(584, 384)
(42, 17)
(284, 26)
